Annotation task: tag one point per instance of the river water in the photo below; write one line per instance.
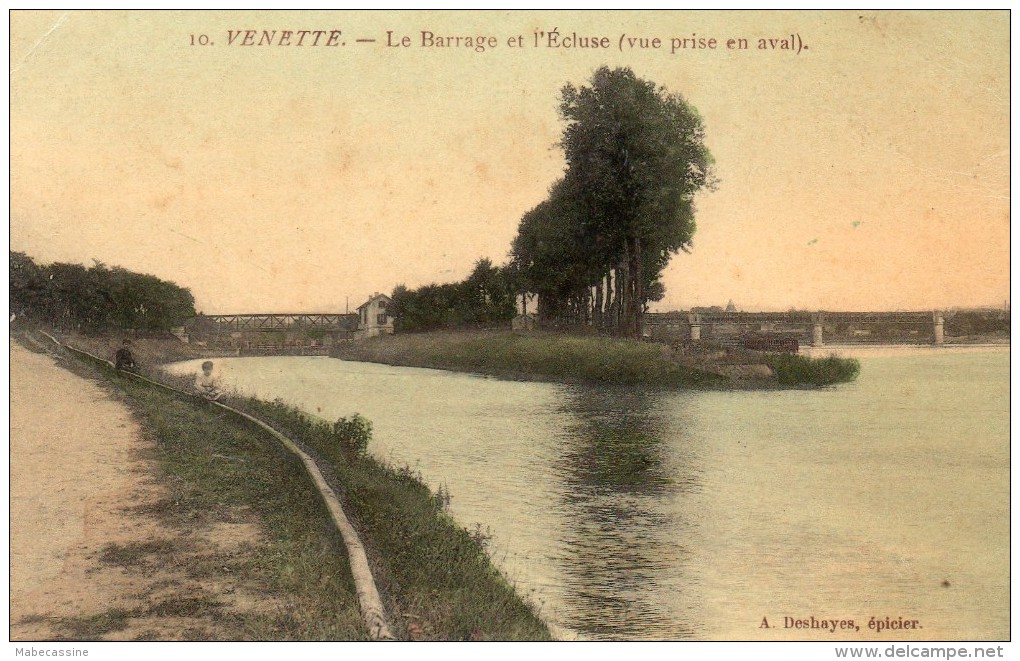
(633, 515)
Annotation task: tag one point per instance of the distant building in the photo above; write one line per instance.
(373, 317)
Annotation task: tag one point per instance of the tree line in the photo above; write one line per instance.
(484, 299)
(592, 253)
(95, 299)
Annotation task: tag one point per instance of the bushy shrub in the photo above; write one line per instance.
(792, 369)
(350, 435)
(353, 434)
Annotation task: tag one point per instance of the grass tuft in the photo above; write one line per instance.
(797, 370)
(135, 554)
(94, 627)
(186, 607)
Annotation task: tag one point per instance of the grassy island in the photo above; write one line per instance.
(598, 360)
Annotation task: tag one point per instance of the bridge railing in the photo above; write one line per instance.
(274, 322)
(848, 327)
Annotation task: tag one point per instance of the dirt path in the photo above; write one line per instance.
(86, 561)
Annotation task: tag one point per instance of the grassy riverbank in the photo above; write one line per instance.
(597, 360)
(440, 581)
(436, 579)
(148, 351)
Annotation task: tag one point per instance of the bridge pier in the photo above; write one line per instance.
(695, 323)
(940, 331)
(816, 330)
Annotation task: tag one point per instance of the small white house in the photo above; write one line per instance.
(373, 317)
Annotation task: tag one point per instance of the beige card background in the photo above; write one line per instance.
(866, 171)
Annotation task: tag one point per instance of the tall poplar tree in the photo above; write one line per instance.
(635, 158)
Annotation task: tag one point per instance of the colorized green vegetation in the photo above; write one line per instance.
(484, 299)
(594, 250)
(796, 370)
(592, 359)
(95, 299)
(537, 356)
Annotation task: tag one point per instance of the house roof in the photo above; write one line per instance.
(373, 298)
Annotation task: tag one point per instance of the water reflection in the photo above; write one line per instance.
(620, 547)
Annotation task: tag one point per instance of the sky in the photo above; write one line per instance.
(867, 171)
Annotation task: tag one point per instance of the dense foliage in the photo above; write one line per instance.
(71, 296)
(482, 300)
(978, 322)
(353, 435)
(594, 250)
